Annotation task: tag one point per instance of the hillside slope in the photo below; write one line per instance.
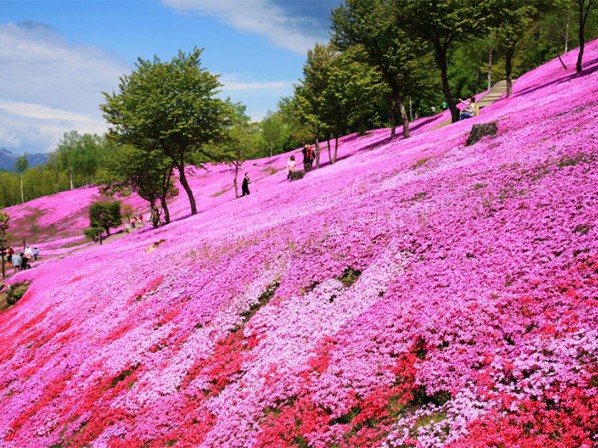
(420, 293)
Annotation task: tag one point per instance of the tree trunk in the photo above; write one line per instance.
(71, 171)
(583, 15)
(404, 119)
(235, 183)
(329, 150)
(393, 119)
(442, 62)
(508, 69)
(567, 32)
(489, 67)
(335, 148)
(22, 194)
(185, 184)
(164, 205)
(317, 153)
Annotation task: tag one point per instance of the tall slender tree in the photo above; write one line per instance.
(442, 23)
(22, 165)
(583, 10)
(509, 21)
(386, 46)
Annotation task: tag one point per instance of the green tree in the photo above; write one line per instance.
(105, 215)
(351, 95)
(81, 155)
(386, 46)
(510, 20)
(148, 173)
(170, 107)
(239, 144)
(4, 226)
(442, 23)
(22, 165)
(308, 101)
(276, 134)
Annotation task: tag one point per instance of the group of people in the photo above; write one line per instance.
(22, 260)
(309, 155)
(133, 223)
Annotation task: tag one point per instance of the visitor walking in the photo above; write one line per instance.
(16, 261)
(25, 262)
(245, 186)
(35, 253)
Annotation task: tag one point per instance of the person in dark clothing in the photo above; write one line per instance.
(24, 262)
(245, 186)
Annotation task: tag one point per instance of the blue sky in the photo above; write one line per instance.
(56, 57)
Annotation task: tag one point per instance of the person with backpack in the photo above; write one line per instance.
(309, 156)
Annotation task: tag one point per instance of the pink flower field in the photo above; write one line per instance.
(418, 293)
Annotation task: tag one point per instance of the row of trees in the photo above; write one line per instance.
(404, 52)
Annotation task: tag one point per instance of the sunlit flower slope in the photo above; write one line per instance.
(416, 293)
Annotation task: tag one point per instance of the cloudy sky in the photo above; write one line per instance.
(57, 56)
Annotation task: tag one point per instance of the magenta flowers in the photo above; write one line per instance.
(417, 293)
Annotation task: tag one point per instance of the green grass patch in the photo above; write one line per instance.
(420, 163)
(349, 277)
(261, 301)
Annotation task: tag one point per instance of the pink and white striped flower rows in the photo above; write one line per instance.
(421, 293)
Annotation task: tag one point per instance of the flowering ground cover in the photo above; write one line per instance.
(417, 293)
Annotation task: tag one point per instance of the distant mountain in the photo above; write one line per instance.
(8, 160)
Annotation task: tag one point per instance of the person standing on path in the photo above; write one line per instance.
(245, 186)
(16, 261)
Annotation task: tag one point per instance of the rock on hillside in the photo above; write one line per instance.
(417, 293)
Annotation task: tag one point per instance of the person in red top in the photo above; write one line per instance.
(308, 157)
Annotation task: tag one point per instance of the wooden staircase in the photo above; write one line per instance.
(493, 95)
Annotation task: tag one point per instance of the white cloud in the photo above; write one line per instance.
(42, 112)
(297, 33)
(8, 139)
(49, 86)
(229, 84)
